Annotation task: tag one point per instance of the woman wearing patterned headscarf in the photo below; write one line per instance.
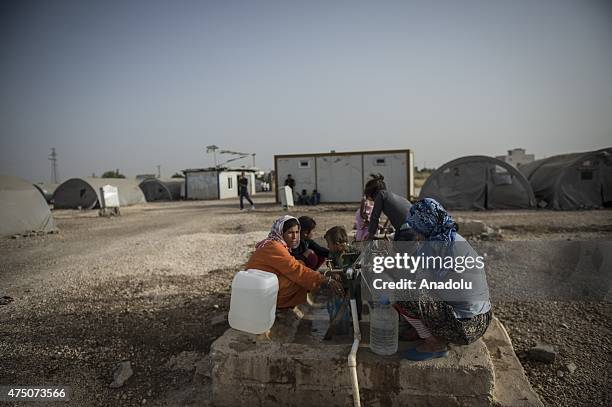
(431, 222)
(294, 279)
(464, 316)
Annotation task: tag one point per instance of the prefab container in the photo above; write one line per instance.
(340, 177)
(211, 183)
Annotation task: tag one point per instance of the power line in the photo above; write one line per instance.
(242, 155)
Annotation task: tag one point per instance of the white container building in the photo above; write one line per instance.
(341, 176)
(211, 183)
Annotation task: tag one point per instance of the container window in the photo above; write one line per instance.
(229, 182)
(304, 164)
(381, 161)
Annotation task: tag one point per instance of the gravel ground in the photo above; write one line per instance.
(152, 287)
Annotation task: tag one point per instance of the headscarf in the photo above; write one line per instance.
(429, 218)
(276, 233)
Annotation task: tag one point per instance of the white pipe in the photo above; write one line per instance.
(352, 357)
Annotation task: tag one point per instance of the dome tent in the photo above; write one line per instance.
(572, 181)
(478, 182)
(46, 190)
(155, 189)
(22, 208)
(84, 192)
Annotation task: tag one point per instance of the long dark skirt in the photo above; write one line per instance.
(439, 317)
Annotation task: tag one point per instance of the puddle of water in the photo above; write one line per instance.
(320, 323)
(313, 327)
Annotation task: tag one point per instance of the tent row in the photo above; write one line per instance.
(24, 207)
(154, 189)
(570, 181)
(85, 192)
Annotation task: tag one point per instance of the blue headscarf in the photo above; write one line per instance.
(429, 218)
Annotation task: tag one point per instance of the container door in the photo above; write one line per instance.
(339, 178)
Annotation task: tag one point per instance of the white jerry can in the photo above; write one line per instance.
(253, 301)
(110, 196)
(286, 196)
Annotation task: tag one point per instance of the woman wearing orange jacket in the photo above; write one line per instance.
(295, 280)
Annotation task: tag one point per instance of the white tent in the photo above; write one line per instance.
(22, 208)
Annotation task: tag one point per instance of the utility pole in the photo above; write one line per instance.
(53, 159)
(213, 148)
(159, 171)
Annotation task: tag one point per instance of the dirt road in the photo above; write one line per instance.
(152, 287)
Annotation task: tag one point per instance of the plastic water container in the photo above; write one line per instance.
(253, 301)
(383, 328)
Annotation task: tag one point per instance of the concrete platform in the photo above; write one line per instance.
(293, 366)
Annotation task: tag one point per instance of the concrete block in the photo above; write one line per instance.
(261, 371)
(512, 388)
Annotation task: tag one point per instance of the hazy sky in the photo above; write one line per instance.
(134, 84)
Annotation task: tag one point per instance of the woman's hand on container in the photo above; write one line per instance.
(334, 274)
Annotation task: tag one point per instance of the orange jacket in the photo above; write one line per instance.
(294, 278)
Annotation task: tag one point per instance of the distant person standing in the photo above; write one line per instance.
(290, 182)
(243, 190)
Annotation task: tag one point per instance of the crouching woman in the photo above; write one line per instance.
(295, 280)
(459, 317)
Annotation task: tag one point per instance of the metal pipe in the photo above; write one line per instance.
(352, 357)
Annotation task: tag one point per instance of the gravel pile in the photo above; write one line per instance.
(579, 333)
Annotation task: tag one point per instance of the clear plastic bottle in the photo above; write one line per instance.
(383, 328)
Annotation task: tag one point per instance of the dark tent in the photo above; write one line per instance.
(572, 181)
(478, 182)
(84, 192)
(156, 189)
(22, 208)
